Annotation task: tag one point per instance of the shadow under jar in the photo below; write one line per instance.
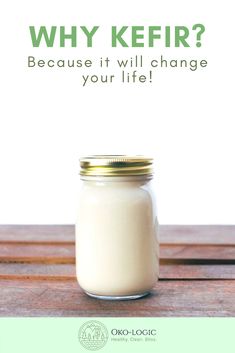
(116, 230)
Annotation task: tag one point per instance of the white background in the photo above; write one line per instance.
(184, 119)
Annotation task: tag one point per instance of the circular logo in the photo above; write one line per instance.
(93, 335)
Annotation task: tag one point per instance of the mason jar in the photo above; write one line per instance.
(116, 231)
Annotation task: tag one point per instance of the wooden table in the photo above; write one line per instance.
(37, 274)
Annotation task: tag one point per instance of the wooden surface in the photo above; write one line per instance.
(197, 274)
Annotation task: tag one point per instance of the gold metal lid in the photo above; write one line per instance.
(116, 165)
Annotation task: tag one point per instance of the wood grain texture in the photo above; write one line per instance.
(50, 253)
(168, 234)
(192, 251)
(37, 233)
(35, 271)
(37, 274)
(197, 234)
(192, 272)
(65, 253)
(169, 298)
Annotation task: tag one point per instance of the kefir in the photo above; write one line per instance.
(116, 231)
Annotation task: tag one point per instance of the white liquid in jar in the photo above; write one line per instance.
(116, 240)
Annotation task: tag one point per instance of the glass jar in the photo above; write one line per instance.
(116, 230)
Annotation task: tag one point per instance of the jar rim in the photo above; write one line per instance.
(116, 165)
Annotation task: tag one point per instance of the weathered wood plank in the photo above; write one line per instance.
(169, 298)
(59, 253)
(181, 234)
(65, 253)
(176, 271)
(197, 234)
(176, 251)
(35, 271)
(37, 233)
